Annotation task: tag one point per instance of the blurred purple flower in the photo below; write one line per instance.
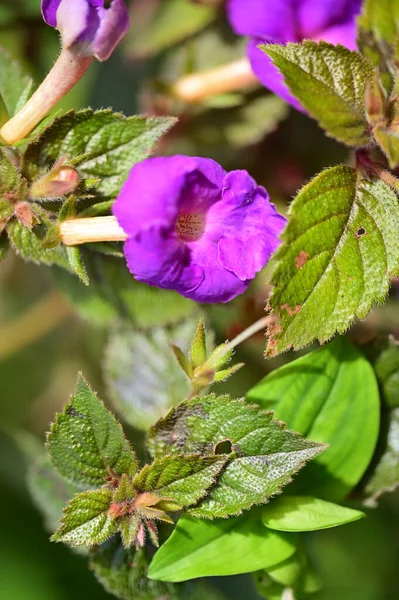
(87, 25)
(194, 228)
(282, 21)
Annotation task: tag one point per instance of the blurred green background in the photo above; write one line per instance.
(43, 343)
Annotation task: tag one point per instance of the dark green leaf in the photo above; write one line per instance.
(142, 375)
(105, 144)
(305, 513)
(200, 548)
(182, 479)
(86, 521)
(339, 250)
(123, 573)
(15, 85)
(266, 455)
(9, 177)
(330, 83)
(28, 244)
(386, 475)
(86, 443)
(329, 395)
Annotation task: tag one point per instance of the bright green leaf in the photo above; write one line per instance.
(266, 455)
(339, 249)
(385, 477)
(319, 395)
(182, 479)
(198, 346)
(15, 85)
(86, 521)
(200, 548)
(330, 83)
(305, 513)
(86, 442)
(107, 143)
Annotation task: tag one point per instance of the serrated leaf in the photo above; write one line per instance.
(86, 521)
(329, 81)
(75, 260)
(306, 513)
(15, 85)
(317, 395)
(142, 375)
(128, 526)
(108, 143)
(172, 23)
(182, 479)
(113, 295)
(266, 454)
(339, 249)
(9, 177)
(124, 573)
(199, 548)
(385, 477)
(86, 443)
(198, 346)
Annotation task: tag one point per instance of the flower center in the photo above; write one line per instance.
(190, 226)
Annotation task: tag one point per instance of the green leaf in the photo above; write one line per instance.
(114, 294)
(4, 246)
(123, 573)
(10, 179)
(141, 373)
(173, 21)
(28, 244)
(105, 144)
(329, 81)
(305, 513)
(200, 548)
(86, 521)
(198, 346)
(384, 354)
(15, 85)
(86, 443)
(330, 395)
(385, 477)
(266, 455)
(339, 249)
(378, 31)
(389, 142)
(182, 479)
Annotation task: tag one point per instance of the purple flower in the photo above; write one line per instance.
(282, 21)
(87, 25)
(194, 228)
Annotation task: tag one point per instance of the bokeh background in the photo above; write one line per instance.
(44, 341)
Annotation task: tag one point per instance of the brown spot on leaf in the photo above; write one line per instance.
(291, 311)
(72, 412)
(360, 232)
(301, 259)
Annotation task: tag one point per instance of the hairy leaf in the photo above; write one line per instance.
(9, 176)
(182, 479)
(330, 83)
(105, 145)
(319, 395)
(305, 513)
(385, 477)
(143, 378)
(266, 455)
(339, 249)
(15, 85)
(123, 573)
(86, 520)
(86, 443)
(200, 548)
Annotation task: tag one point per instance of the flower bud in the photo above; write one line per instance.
(23, 213)
(60, 181)
(86, 26)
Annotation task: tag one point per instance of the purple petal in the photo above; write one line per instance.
(269, 75)
(49, 11)
(245, 258)
(77, 20)
(341, 34)
(272, 20)
(315, 17)
(114, 25)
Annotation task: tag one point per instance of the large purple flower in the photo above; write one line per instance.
(194, 228)
(87, 25)
(282, 21)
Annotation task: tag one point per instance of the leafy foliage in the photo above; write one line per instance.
(15, 85)
(305, 513)
(200, 548)
(384, 354)
(86, 444)
(264, 454)
(385, 477)
(339, 249)
(318, 395)
(330, 83)
(103, 144)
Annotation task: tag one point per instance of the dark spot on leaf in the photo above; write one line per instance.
(224, 447)
(360, 232)
(71, 411)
